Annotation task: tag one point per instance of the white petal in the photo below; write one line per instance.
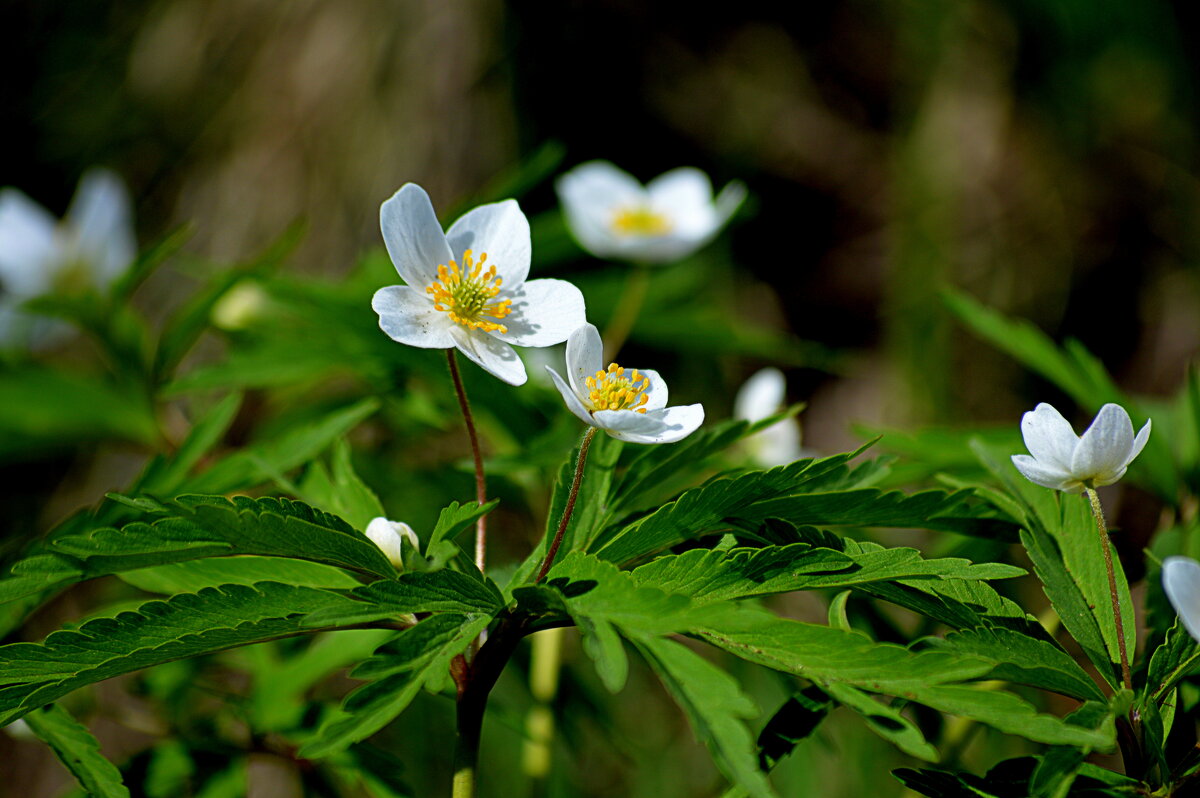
(490, 354)
(407, 315)
(100, 223)
(1139, 442)
(730, 199)
(573, 402)
(585, 356)
(590, 195)
(656, 394)
(413, 236)
(1049, 437)
(1104, 448)
(544, 312)
(1040, 473)
(778, 444)
(501, 231)
(27, 245)
(387, 535)
(667, 425)
(685, 196)
(761, 395)
(1181, 583)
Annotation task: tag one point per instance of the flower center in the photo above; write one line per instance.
(616, 390)
(639, 220)
(467, 294)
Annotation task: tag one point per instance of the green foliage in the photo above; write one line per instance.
(76, 748)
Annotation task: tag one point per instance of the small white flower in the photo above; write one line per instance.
(1181, 583)
(466, 287)
(1064, 461)
(761, 396)
(612, 215)
(387, 535)
(628, 405)
(90, 248)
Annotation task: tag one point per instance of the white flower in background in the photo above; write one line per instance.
(1181, 583)
(761, 396)
(612, 215)
(240, 307)
(1064, 461)
(467, 288)
(91, 247)
(387, 535)
(629, 405)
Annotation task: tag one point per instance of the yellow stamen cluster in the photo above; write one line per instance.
(466, 294)
(638, 220)
(616, 390)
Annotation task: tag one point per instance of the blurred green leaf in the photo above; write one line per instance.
(75, 746)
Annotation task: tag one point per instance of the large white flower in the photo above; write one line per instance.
(761, 396)
(1064, 461)
(388, 536)
(90, 248)
(612, 215)
(1181, 583)
(629, 405)
(466, 287)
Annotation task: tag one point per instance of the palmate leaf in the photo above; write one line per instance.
(34, 674)
(798, 494)
(75, 746)
(419, 657)
(202, 526)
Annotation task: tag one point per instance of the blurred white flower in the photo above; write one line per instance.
(467, 288)
(630, 405)
(19, 730)
(240, 306)
(387, 535)
(1181, 583)
(761, 396)
(90, 248)
(1064, 461)
(612, 215)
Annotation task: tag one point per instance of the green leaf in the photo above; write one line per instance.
(1022, 659)
(799, 717)
(194, 575)
(1177, 658)
(800, 494)
(342, 492)
(76, 748)
(260, 462)
(203, 526)
(716, 708)
(933, 678)
(164, 475)
(417, 657)
(33, 674)
(412, 592)
(883, 719)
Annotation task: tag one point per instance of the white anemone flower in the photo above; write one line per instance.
(1064, 461)
(466, 286)
(612, 215)
(761, 396)
(88, 250)
(630, 405)
(1181, 583)
(387, 535)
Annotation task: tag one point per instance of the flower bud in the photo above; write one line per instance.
(387, 535)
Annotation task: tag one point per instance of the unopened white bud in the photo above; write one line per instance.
(387, 536)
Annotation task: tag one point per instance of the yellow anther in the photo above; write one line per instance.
(468, 294)
(639, 220)
(614, 389)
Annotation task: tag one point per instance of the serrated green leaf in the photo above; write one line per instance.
(1022, 659)
(412, 592)
(716, 708)
(194, 575)
(204, 526)
(76, 748)
(1177, 658)
(32, 674)
(885, 720)
(419, 656)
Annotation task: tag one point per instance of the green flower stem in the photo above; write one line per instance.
(626, 313)
(1126, 676)
(545, 659)
(480, 482)
(570, 508)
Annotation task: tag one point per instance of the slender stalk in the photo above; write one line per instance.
(628, 308)
(1102, 528)
(570, 508)
(480, 482)
(545, 659)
